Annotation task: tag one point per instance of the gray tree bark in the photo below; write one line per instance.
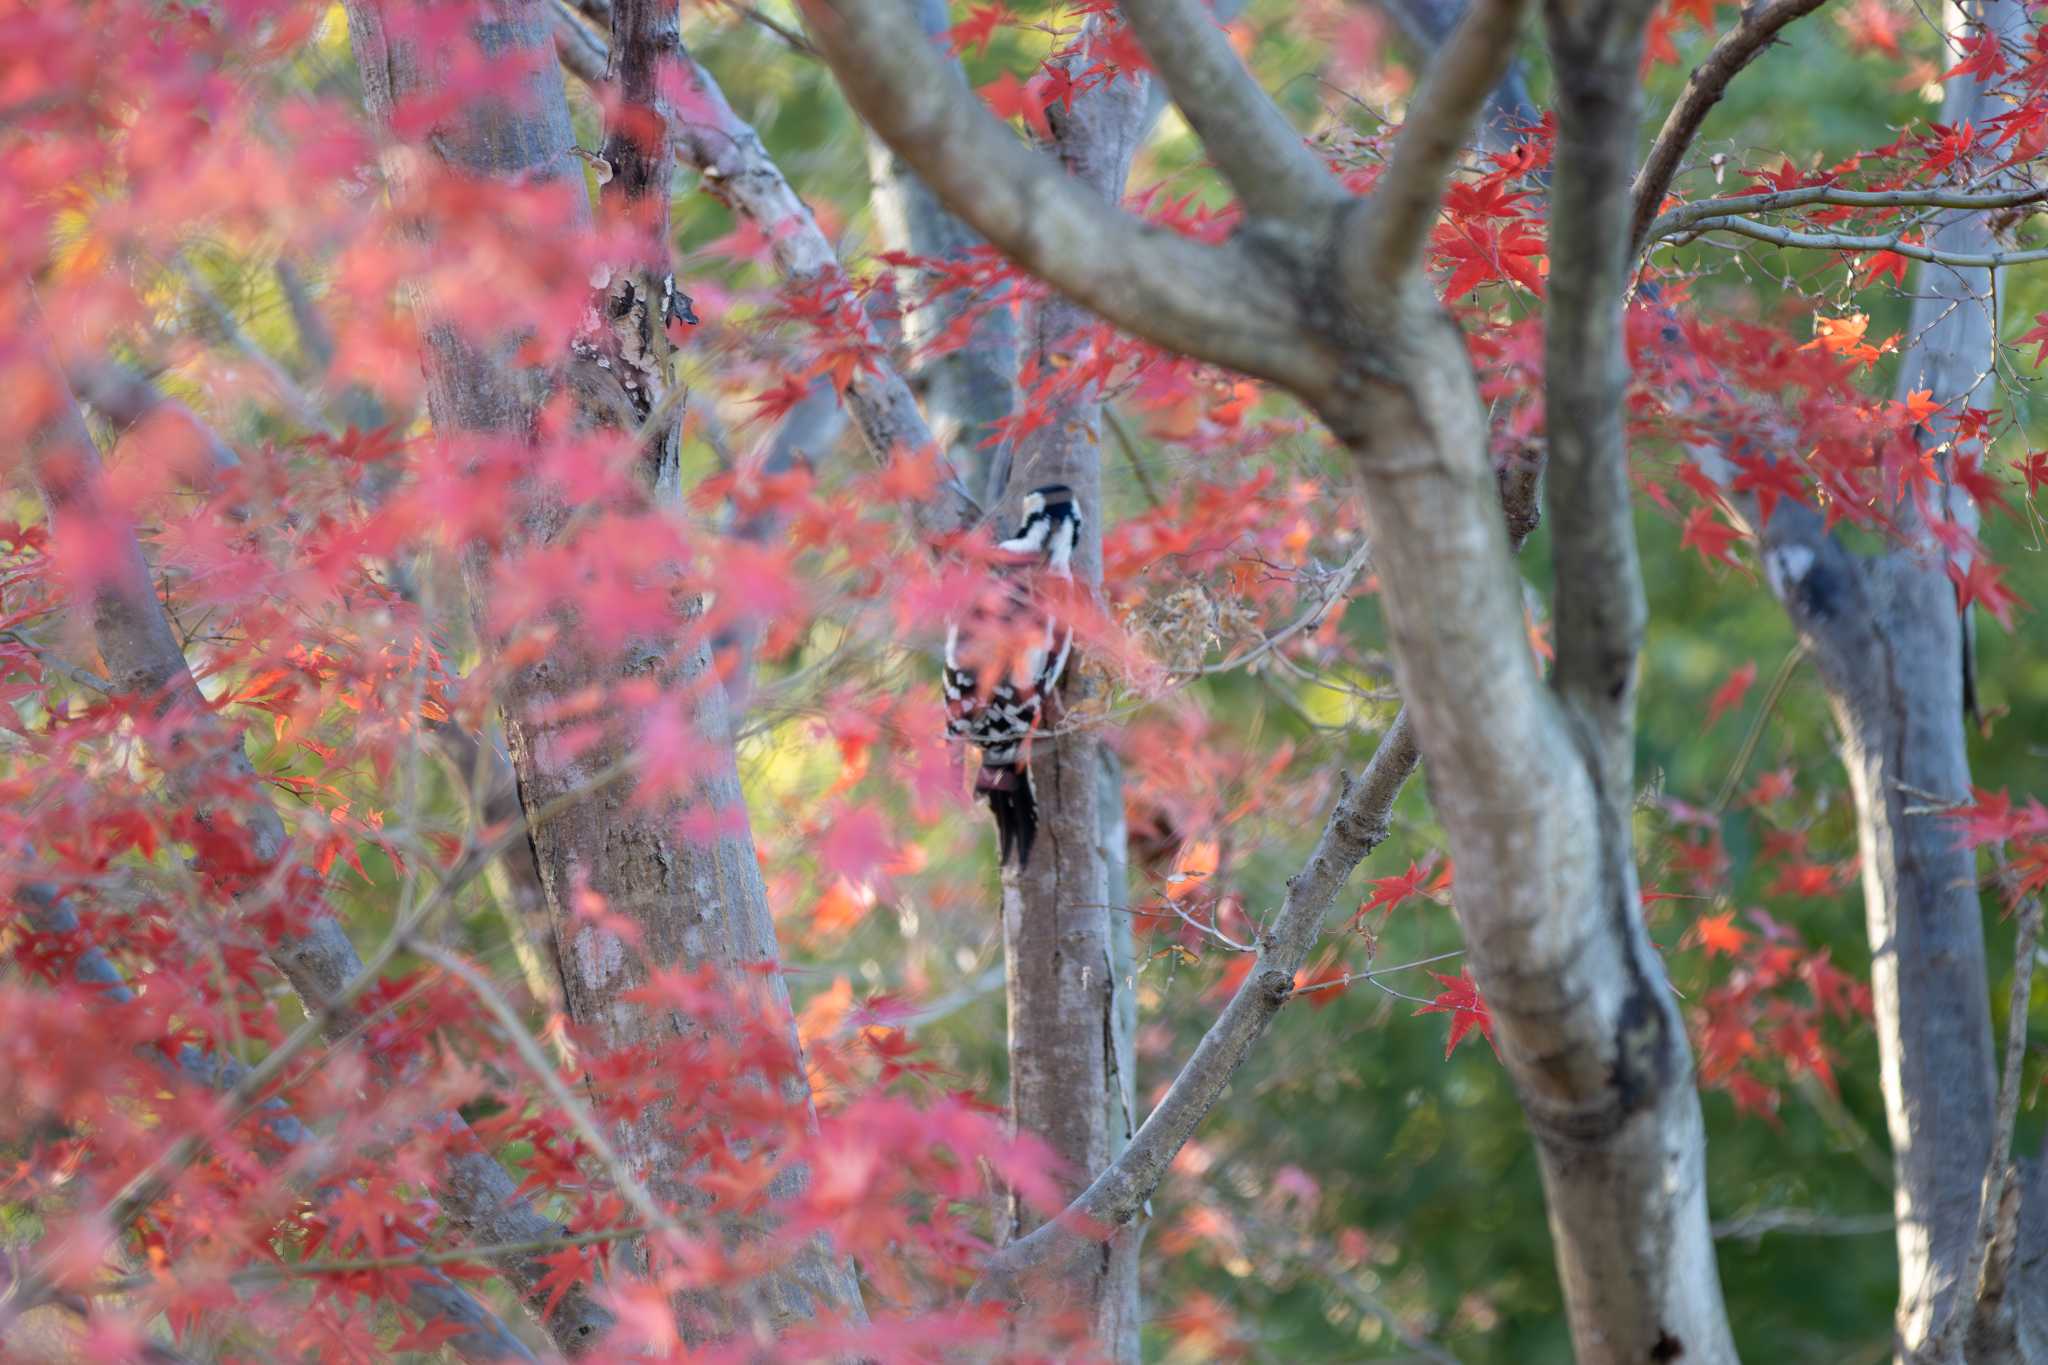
(1889, 642)
(1068, 1081)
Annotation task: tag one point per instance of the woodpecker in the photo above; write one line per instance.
(1005, 657)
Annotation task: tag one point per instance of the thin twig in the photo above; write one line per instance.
(275, 1274)
(579, 1115)
(1772, 695)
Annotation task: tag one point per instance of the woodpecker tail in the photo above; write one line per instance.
(1008, 789)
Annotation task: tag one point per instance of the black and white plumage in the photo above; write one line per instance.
(1005, 658)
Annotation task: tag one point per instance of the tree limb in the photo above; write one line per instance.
(1223, 304)
(1357, 824)
(1734, 50)
(1404, 201)
(1689, 216)
(1600, 608)
(1842, 241)
(1244, 132)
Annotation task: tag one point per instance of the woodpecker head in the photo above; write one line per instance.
(1051, 528)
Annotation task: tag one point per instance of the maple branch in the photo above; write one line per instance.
(126, 399)
(1734, 50)
(1840, 241)
(1403, 205)
(1687, 217)
(1224, 304)
(471, 1255)
(583, 53)
(1751, 1227)
(483, 1335)
(1357, 824)
(1247, 137)
(1601, 611)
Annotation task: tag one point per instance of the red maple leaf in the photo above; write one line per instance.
(1718, 934)
(978, 28)
(1461, 1000)
(2039, 333)
(1389, 892)
(1980, 583)
(1730, 694)
(1709, 535)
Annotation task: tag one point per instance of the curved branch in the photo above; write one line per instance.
(1841, 241)
(1687, 217)
(1246, 135)
(1404, 202)
(1219, 304)
(1356, 826)
(1735, 50)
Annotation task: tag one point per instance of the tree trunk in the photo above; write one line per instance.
(1059, 940)
(698, 898)
(1890, 646)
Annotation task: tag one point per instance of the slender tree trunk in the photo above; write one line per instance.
(1067, 1084)
(1890, 645)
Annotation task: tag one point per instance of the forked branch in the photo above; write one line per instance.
(1246, 135)
(1735, 49)
(1221, 304)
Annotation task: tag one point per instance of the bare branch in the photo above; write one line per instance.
(126, 398)
(1841, 241)
(1246, 135)
(1736, 49)
(1404, 201)
(1357, 824)
(1220, 304)
(1687, 217)
(1751, 1227)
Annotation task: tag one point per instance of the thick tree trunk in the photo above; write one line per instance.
(697, 899)
(1326, 296)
